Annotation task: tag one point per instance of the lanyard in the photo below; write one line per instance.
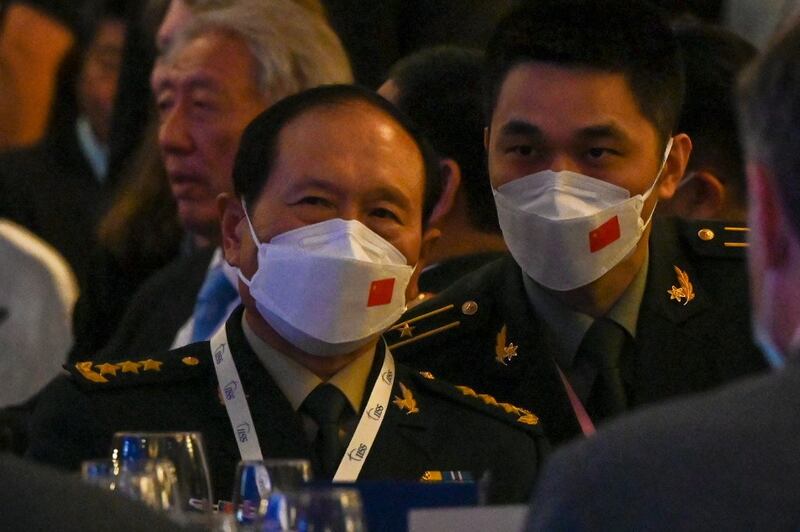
(230, 386)
(587, 427)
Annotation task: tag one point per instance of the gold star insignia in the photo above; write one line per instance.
(108, 369)
(151, 365)
(407, 402)
(685, 291)
(504, 352)
(427, 374)
(129, 367)
(190, 361)
(85, 369)
(407, 331)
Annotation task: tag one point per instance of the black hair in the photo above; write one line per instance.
(258, 148)
(440, 89)
(769, 105)
(713, 58)
(629, 37)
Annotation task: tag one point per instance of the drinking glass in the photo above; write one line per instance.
(257, 480)
(186, 451)
(151, 482)
(315, 510)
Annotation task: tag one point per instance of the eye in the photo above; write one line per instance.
(600, 152)
(524, 150)
(314, 200)
(382, 212)
(163, 105)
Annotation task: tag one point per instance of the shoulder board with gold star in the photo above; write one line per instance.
(172, 366)
(433, 319)
(486, 404)
(713, 238)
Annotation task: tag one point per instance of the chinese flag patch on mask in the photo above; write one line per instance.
(604, 235)
(380, 292)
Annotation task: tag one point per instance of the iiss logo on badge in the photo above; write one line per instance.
(357, 454)
(375, 413)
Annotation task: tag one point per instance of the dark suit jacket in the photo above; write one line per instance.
(679, 348)
(159, 308)
(719, 461)
(51, 190)
(76, 417)
(38, 498)
(440, 276)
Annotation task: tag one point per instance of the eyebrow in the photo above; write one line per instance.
(604, 131)
(520, 127)
(387, 192)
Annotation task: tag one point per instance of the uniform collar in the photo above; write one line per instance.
(296, 381)
(570, 326)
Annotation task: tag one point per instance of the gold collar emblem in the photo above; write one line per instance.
(504, 353)
(685, 292)
(407, 402)
(406, 331)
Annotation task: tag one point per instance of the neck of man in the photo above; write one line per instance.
(460, 238)
(597, 298)
(323, 367)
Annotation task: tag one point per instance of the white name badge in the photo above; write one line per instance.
(233, 395)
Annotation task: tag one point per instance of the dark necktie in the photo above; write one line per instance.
(326, 405)
(602, 347)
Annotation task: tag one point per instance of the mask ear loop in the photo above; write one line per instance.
(256, 241)
(653, 186)
(241, 276)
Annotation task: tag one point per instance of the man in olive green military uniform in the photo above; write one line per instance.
(325, 229)
(598, 309)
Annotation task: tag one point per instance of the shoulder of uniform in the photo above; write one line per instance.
(714, 238)
(186, 363)
(463, 306)
(485, 404)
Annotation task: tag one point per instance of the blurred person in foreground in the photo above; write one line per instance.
(325, 230)
(599, 308)
(725, 460)
(219, 72)
(440, 90)
(713, 186)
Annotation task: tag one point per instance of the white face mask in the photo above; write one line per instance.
(566, 229)
(329, 288)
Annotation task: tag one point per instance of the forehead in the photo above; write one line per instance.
(352, 145)
(558, 99)
(215, 58)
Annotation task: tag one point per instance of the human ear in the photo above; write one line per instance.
(233, 226)
(675, 165)
(451, 182)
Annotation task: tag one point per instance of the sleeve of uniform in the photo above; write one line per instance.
(64, 429)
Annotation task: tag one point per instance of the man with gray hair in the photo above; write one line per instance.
(725, 460)
(216, 74)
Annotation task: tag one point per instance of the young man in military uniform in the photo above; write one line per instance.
(598, 309)
(325, 229)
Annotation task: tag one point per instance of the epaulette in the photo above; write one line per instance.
(484, 403)
(438, 320)
(712, 238)
(172, 366)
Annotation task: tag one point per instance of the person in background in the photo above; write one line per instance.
(57, 189)
(724, 460)
(599, 309)
(713, 186)
(300, 369)
(440, 90)
(35, 36)
(247, 56)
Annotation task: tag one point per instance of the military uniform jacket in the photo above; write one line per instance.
(483, 332)
(177, 391)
